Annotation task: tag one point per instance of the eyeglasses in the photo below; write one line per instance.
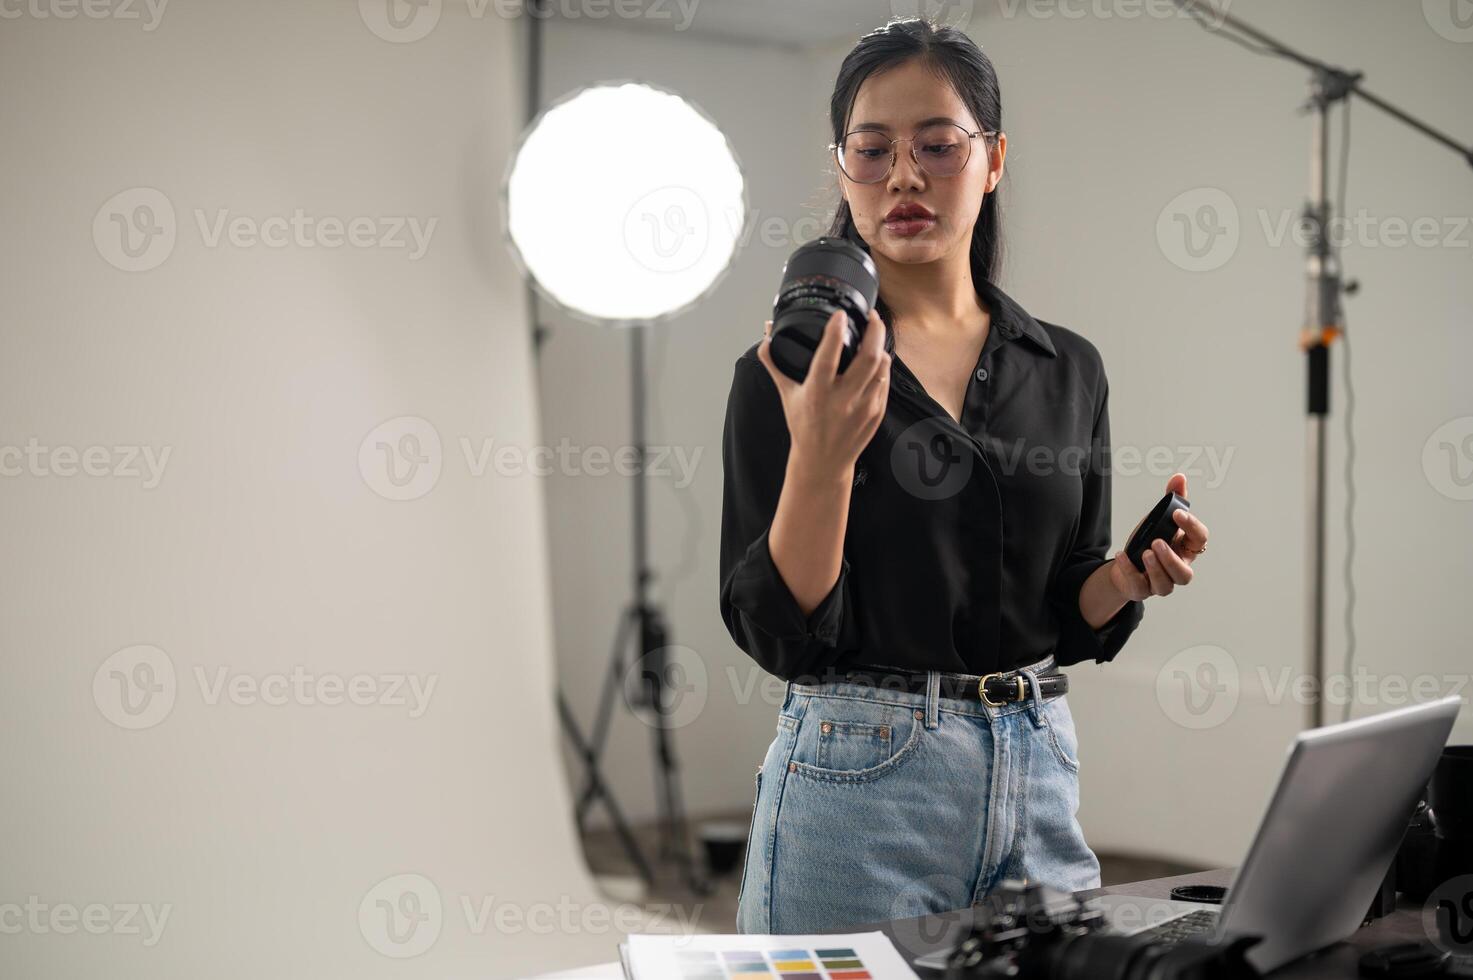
(940, 150)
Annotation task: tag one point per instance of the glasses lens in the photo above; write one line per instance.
(942, 149)
(865, 157)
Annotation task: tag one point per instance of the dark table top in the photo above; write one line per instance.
(916, 937)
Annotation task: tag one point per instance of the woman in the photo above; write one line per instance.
(918, 563)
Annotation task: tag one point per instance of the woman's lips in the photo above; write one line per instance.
(909, 227)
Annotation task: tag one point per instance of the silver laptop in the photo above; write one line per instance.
(1322, 849)
(1324, 845)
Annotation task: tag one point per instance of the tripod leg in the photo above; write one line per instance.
(598, 789)
(613, 677)
(580, 747)
(631, 846)
(600, 733)
(677, 842)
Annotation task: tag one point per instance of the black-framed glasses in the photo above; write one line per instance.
(940, 150)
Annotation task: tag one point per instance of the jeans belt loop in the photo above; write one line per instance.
(1036, 705)
(933, 698)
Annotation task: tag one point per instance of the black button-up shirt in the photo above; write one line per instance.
(966, 545)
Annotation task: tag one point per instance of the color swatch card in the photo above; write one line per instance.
(857, 956)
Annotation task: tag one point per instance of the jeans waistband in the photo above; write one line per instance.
(834, 683)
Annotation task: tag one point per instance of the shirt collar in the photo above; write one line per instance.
(1012, 321)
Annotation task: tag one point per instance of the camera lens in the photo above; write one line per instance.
(821, 276)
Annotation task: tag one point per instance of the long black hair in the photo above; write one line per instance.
(958, 59)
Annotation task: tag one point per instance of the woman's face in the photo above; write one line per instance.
(896, 102)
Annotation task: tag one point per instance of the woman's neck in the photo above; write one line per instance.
(932, 296)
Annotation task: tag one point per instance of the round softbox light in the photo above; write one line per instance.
(623, 203)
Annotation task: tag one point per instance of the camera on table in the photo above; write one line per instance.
(1016, 936)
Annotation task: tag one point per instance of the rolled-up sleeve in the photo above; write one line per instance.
(1078, 641)
(760, 612)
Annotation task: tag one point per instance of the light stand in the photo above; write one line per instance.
(650, 244)
(654, 640)
(1323, 322)
(642, 620)
(1323, 319)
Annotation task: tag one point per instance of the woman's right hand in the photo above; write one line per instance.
(832, 417)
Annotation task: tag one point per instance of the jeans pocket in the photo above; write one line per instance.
(850, 740)
(1059, 724)
(752, 849)
(850, 745)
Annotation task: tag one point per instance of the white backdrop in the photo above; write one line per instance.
(321, 732)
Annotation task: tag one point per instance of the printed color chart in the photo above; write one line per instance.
(837, 963)
(855, 956)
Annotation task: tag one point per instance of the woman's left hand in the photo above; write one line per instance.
(1167, 565)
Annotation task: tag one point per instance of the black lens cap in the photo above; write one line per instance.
(1403, 960)
(1211, 894)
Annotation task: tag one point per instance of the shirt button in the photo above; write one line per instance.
(981, 374)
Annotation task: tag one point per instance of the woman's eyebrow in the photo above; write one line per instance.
(924, 122)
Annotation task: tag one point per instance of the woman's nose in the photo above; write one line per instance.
(905, 173)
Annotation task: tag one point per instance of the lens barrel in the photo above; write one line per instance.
(820, 277)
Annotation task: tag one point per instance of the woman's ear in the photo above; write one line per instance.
(994, 173)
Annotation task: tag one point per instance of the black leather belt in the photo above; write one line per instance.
(993, 690)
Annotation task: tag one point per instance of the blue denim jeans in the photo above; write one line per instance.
(875, 804)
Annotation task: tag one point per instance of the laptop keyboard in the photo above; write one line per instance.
(1194, 923)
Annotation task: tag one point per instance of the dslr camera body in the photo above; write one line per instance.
(1020, 934)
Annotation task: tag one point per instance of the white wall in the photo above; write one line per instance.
(264, 547)
(1109, 120)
